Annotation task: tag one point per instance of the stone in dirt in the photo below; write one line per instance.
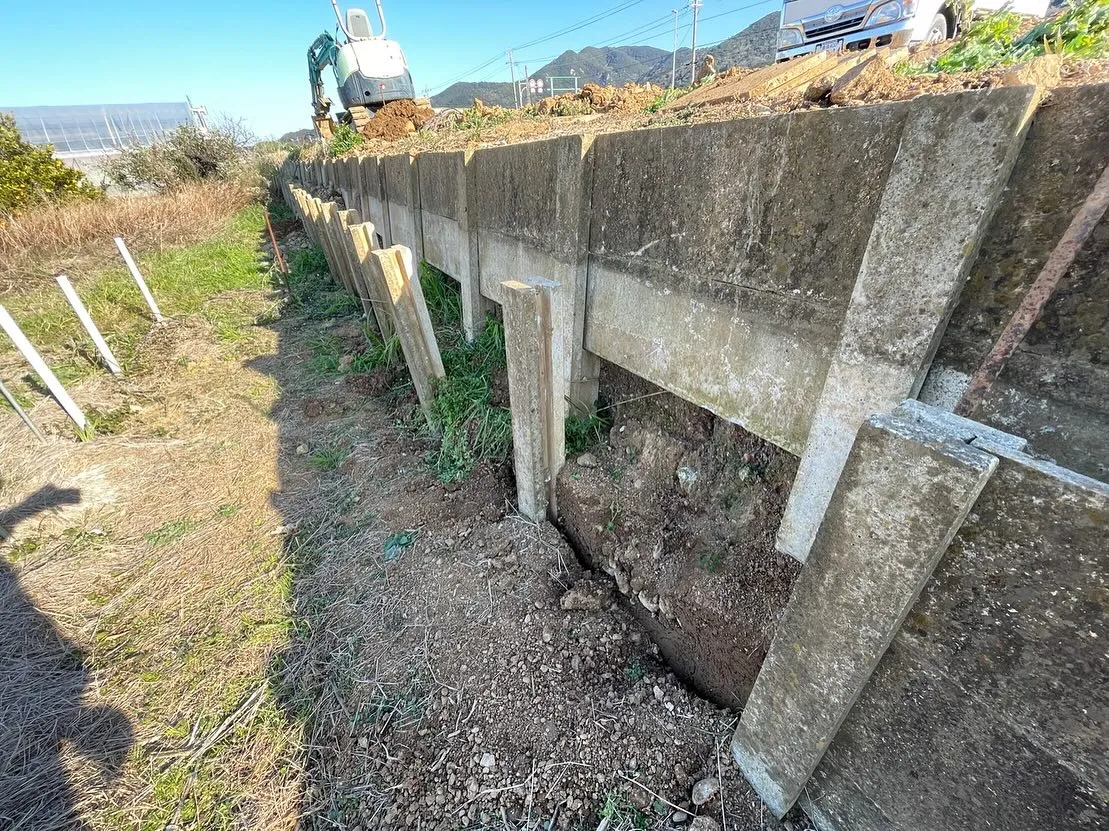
(704, 824)
(588, 460)
(705, 790)
(488, 761)
(587, 595)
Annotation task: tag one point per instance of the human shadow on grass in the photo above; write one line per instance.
(42, 717)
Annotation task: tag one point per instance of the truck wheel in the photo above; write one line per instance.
(938, 30)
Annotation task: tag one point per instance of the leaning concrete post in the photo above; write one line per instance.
(327, 242)
(90, 326)
(11, 328)
(136, 275)
(538, 439)
(375, 300)
(907, 485)
(334, 228)
(417, 337)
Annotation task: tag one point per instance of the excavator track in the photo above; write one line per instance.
(359, 117)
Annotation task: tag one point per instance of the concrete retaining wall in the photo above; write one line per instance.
(795, 275)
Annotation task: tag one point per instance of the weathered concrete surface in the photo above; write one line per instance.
(722, 260)
(450, 244)
(402, 190)
(396, 269)
(377, 206)
(954, 159)
(1055, 389)
(532, 218)
(538, 439)
(991, 709)
(904, 492)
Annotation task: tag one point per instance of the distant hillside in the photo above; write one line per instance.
(618, 65)
(750, 48)
(463, 94)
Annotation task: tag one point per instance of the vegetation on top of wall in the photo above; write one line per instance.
(345, 139)
(1080, 31)
(32, 175)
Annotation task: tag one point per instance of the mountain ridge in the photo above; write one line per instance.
(751, 47)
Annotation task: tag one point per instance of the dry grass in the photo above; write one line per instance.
(76, 237)
(149, 613)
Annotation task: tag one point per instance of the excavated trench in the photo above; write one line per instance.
(680, 509)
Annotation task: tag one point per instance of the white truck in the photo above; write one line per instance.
(813, 25)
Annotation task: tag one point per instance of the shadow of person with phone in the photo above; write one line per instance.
(43, 719)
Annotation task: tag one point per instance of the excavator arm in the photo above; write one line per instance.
(321, 54)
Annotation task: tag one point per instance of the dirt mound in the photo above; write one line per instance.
(396, 120)
(593, 98)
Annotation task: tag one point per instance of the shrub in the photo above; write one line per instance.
(31, 175)
(187, 154)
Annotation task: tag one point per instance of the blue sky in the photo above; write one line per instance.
(247, 59)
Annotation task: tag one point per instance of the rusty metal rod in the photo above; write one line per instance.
(273, 239)
(1039, 293)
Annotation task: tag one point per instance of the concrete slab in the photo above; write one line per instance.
(1055, 389)
(377, 206)
(532, 217)
(991, 708)
(955, 156)
(721, 259)
(904, 493)
(402, 191)
(450, 241)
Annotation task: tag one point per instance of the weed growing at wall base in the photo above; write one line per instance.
(474, 425)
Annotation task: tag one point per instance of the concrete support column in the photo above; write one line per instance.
(907, 486)
(951, 167)
(402, 191)
(538, 438)
(396, 269)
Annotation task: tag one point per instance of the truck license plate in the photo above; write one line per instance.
(830, 46)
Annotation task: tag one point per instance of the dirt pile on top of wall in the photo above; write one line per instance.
(593, 98)
(397, 119)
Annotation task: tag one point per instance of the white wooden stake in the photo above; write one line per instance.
(134, 269)
(39, 366)
(86, 321)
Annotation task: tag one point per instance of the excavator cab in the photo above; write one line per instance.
(358, 25)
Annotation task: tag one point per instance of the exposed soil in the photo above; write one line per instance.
(397, 119)
(496, 681)
(681, 509)
(444, 663)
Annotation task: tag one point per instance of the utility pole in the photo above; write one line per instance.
(674, 54)
(512, 72)
(526, 84)
(696, 5)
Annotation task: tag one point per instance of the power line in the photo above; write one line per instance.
(581, 24)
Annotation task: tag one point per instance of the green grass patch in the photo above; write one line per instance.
(182, 281)
(312, 292)
(345, 139)
(329, 458)
(171, 531)
(585, 432)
